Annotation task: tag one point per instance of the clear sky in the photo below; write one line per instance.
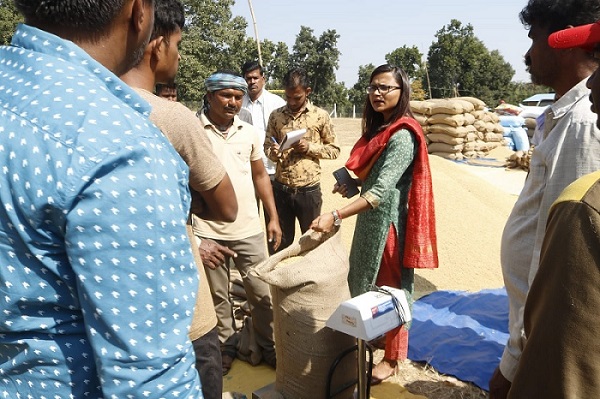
(371, 29)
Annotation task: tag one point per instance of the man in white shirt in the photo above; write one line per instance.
(569, 149)
(260, 103)
(561, 359)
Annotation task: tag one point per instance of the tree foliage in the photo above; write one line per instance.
(417, 92)
(320, 57)
(407, 58)
(212, 40)
(518, 91)
(357, 93)
(275, 60)
(460, 64)
(9, 18)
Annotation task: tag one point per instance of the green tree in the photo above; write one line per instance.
(320, 58)
(340, 99)
(407, 58)
(304, 51)
(518, 91)
(460, 64)
(9, 18)
(279, 65)
(417, 92)
(357, 93)
(275, 60)
(212, 40)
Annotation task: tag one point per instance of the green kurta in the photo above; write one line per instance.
(386, 189)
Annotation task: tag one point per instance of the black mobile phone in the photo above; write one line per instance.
(343, 177)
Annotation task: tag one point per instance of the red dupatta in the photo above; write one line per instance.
(420, 246)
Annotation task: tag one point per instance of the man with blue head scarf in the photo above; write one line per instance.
(239, 146)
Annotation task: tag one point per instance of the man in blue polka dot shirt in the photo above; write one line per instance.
(97, 280)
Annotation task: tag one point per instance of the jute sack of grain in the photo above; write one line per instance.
(481, 126)
(470, 146)
(444, 138)
(470, 129)
(450, 106)
(469, 118)
(421, 107)
(454, 156)
(482, 116)
(470, 137)
(458, 131)
(492, 127)
(447, 119)
(443, 147)
(498, 128)
(480, 145)
(306, 291)
(493, 137)
(477, 103)
(421, 118)
(493, 144)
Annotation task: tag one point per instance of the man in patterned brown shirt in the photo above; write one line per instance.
(296, 186)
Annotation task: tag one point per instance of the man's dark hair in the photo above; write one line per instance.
(168, 16)
(87, 16)
(296, 77)
(554, 15)
(160, 86)
(252, 66)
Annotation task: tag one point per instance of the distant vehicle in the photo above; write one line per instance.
(533, 106)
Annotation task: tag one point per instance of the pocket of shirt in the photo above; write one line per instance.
(241, 155)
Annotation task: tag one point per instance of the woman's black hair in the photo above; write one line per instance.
(372, 121)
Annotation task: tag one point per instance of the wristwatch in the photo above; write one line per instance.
(337, 220)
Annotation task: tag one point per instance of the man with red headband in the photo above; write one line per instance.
(569, 148)
(562, 356)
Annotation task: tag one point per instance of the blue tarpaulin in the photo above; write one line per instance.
(460, 333)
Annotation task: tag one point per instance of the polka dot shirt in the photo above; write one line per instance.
(97, 280)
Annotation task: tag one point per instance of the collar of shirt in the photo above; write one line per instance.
(259, 100)
(308, 108)
(568, 100)
(555, 112)
(235, 126)
(30, 38)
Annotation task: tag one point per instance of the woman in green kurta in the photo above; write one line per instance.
(395, 228)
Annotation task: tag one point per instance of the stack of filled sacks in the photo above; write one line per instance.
(489, 133)
(459, 127)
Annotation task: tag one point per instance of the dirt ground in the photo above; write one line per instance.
(472, 204)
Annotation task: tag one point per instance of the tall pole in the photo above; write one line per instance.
(255, 32)
(427, 75)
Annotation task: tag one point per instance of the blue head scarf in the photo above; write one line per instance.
(220, 81)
